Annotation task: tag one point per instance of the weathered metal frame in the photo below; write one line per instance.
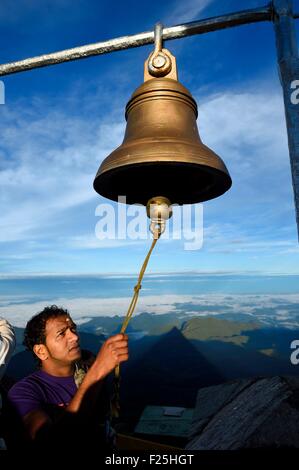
(142, 39)
(288, 61)
(280, 12)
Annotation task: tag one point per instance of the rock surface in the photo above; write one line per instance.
(249, 413)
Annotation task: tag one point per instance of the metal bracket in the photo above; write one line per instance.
(159, 63)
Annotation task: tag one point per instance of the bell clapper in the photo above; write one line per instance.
(158, 210)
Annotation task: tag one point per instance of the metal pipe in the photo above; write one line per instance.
(137, 40)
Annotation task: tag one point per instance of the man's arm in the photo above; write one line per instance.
(34, 421)
(113, 352)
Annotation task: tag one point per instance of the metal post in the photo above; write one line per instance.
(288, 61)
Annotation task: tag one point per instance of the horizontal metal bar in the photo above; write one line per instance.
(137, 40)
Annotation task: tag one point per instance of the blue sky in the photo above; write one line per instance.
(59, 122)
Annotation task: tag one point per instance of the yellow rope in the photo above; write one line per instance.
(115, 399)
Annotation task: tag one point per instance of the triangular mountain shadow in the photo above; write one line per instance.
(169, 373)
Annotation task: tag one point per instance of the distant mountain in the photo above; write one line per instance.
(211, 328)
(237, 361)
(146, 323)
(156, 325)
(102, 325)
(240, 349)
(235, 348)
(277, 340)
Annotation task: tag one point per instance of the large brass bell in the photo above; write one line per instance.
(162, 153)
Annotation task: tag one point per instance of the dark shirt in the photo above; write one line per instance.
(40, 390)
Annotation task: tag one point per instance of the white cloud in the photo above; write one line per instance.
(248, 129)
(90, 242)
(19, 314)
(230, 238)
(51, 160)
(293, 249)
(213, 304)
(187, 10)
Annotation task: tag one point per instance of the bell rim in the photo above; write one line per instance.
(222, 182)
(122, 156)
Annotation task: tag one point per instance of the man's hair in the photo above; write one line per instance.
(35, 331)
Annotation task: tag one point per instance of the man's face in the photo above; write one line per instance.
(62, 340)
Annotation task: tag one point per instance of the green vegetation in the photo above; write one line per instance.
(210, 328)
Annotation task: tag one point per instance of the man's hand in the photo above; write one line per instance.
(113, 352)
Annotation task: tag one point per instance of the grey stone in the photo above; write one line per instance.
(210, 400)
(253, 413)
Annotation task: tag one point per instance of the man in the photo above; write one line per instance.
(49, 399)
